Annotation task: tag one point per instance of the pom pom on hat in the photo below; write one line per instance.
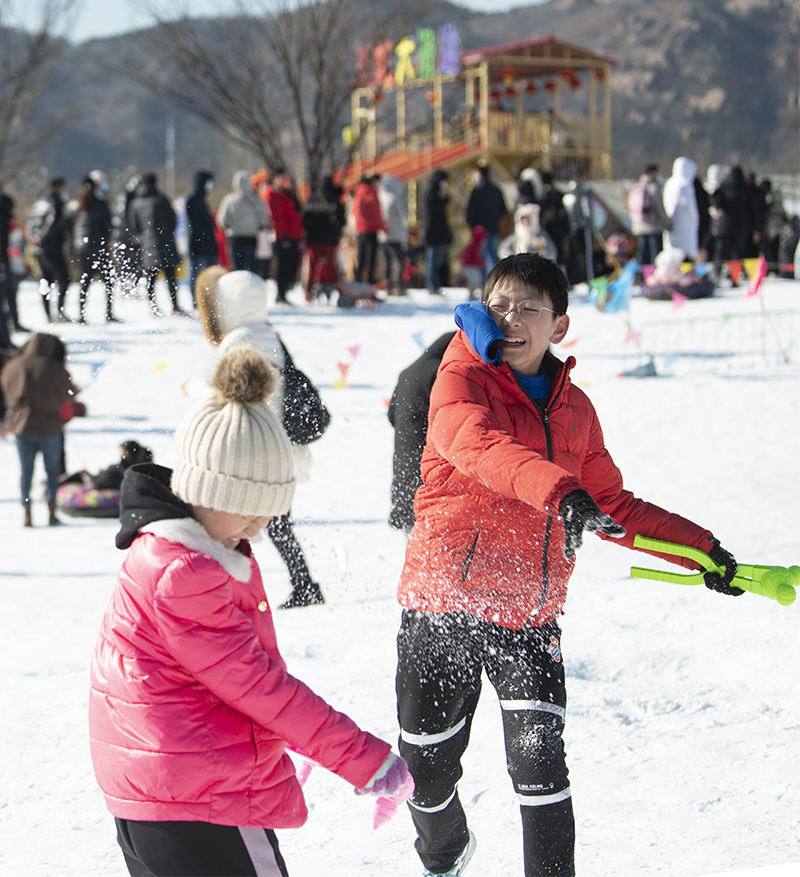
(233, 453)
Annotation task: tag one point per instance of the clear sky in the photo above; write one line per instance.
(100, 18)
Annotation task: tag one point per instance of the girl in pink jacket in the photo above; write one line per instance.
(191, 706)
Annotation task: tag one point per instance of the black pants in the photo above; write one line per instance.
(367, 252)
(95, 263)
(287, 259)
(54, 270)
(280, 532)
(198, 849)
(440, 661)
(172, 284)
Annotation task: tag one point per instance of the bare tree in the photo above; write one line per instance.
(275, 74)
(27, 59)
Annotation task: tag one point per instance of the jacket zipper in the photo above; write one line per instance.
(468, 561)
(544, 413)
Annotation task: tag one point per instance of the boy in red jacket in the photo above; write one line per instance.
(191, 707)
(514, 471)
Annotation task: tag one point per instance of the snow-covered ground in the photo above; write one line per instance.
(683, 730)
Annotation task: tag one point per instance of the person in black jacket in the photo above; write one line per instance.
(130, 454)
(152, 220)
(46, 236)
(323, 219)
(731, 201)
(705, 238)
(553, 218)
(91, 233)
(486, 207)
(202, 240)
(408, 414)
(436, 228)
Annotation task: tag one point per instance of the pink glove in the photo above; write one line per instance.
(392, 784)
(386, 807)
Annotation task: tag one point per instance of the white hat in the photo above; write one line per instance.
(233, 453)
(241, 298)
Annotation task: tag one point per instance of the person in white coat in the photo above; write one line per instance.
(394, 241)
(680, 205)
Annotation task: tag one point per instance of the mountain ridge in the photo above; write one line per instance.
(717, 80)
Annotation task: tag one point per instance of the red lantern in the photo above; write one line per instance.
(600, 75)
(549, 86)
(531, 88)
(511, 92)
(430, 96)
(509, 75)
(495, 94)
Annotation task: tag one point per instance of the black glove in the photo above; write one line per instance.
(722, 583)
(580, 512)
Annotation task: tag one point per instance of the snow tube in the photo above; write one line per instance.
(79, 501)
(700, 288)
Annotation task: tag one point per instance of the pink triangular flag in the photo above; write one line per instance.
(354, 351)
(633, 335)
(754, 285)
(678, 300)
(647, 271)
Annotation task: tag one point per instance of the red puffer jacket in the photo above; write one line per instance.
(488, 538)
(191, 706)
(286, 217)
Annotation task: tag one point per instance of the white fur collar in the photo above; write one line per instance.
(193, 535)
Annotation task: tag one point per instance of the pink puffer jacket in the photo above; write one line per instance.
(191, 706)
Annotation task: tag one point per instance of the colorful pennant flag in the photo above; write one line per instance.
(735, 269)
(757, 277)
(678, 300)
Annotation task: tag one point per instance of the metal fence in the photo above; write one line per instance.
(719, 344)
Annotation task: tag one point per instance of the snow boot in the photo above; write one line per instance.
(461, 862)
(308, 594)
(27, 520)
(53, 522)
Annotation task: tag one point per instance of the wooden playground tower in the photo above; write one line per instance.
(538, 102)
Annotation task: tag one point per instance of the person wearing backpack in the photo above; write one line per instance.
(648, 218)
(233, 311)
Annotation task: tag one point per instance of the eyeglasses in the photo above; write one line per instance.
(527, 311)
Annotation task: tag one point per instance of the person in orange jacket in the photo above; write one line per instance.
(514, 471)
(366, 208)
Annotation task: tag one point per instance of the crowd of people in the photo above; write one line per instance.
(330, 236)
(729, 216)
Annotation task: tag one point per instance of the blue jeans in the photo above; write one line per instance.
(490, 246)
(650, 245)
(243, 253)
(198, 265)
(27, 448)
(435, 257)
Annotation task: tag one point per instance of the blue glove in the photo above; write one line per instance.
(481, 330)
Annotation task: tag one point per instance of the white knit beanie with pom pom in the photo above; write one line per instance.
(233, 453)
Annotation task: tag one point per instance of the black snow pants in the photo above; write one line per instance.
(198, 849)
(440, 662)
